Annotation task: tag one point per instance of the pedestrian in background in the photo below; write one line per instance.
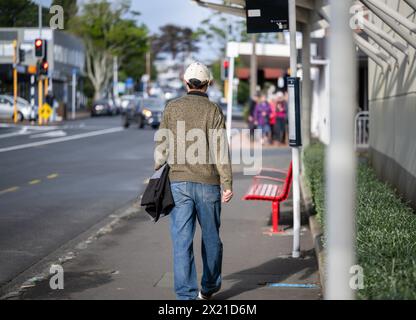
(281, 116)
(251, 116)
(196, 187)
(262, 117)
(273, 119)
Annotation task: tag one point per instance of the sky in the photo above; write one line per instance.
(156, 13)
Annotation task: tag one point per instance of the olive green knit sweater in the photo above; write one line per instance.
(191, 122)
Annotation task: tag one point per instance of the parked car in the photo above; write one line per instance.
(103, 107)
(24, 109)
(144, 112)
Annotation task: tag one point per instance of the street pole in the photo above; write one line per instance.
(74, 84)
(32, 97)
(15, 48)
(115, 77)
(306, 85)
(230, 98)
(295, 151)
(253, 67)
(340, 157)
(40, 19)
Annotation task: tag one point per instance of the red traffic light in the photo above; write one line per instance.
(38, 43)
(226, 64)
(45, 65)
(39, 48)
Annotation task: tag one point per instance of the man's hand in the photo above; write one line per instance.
(227, 196)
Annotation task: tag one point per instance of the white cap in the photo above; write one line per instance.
(199, 72)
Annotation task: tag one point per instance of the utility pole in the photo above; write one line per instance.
(340, 157)
(296, 150)
(148, 64)
(15, 49)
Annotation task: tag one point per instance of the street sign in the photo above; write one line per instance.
(295, 139)
(129, 83)
(45, 111)
(264, 16)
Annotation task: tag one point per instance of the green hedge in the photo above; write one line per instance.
(386, 230)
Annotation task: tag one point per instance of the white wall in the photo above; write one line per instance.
(392, 103)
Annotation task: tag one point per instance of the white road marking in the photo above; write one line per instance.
(25, 130)
(62, 139)
(50, 134)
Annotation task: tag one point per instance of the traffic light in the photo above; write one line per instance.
(43, 67)
(224, 70)
(39, 48)
(22, 55)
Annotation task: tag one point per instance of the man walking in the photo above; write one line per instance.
(195, 185)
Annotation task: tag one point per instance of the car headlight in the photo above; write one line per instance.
(147, 113)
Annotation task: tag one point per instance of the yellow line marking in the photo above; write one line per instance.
(36, 181)
(52, 176)
(12, 189)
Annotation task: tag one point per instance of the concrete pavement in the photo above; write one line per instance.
(134, 260)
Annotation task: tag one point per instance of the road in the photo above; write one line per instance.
(56, 182)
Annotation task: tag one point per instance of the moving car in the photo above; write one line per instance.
(103, 107)
(24, 109)
(145, 112)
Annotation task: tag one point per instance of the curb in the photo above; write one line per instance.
(316, 230)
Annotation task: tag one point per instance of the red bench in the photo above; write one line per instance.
(276, 191)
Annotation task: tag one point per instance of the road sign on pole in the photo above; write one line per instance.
(45, 111)
(267, 16)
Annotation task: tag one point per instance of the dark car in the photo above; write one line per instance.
(103, 107)
(144, 112)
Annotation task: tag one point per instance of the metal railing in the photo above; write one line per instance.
(362, 130)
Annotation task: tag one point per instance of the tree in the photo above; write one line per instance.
(106, 33)
(21, 13)
(175, 40)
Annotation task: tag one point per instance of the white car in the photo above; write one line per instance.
(24, 110)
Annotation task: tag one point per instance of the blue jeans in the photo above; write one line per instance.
(203, 202)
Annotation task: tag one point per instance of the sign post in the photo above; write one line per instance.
(232, 53)
(296, 149)
(74, 85)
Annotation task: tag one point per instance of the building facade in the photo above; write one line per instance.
(65, 55)
(392, 103)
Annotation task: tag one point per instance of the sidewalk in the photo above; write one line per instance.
(134, 260)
